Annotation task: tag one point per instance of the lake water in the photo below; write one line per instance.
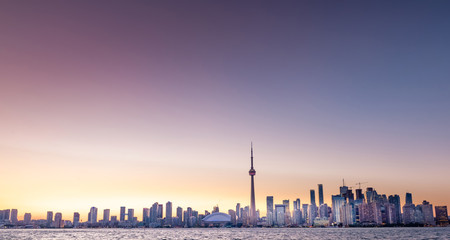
(228, 233)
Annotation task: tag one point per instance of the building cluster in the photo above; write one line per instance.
(347, 208)
(350, 208)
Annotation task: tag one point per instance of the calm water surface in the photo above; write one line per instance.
(228, 233)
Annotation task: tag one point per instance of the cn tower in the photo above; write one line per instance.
(252, 173)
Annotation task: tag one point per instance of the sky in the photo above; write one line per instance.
(127, 103)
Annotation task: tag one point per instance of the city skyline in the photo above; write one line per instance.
(114, 103)
(359, 205)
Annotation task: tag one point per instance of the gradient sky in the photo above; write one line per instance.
(125, 103)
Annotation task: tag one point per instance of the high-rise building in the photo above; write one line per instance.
(14, 213)
(305, 213)
(93, 215)
(337, 201)
(370, 213)
(238, 208)
(122, 214)
(441, 215)
(154, 212)
(145, 215)
(313, 197)
(312, 214)
(427, 211)
(320, 194)
(5, 214)
(106, 213)
(252, 174)
(408, 213)
(408, 198)
(58, 220)
(179, 215)
(395, 199)
(369, 195)
(76, 219)
(49, 218)
(343, 190)
(346, 214)
(323, 211)
(270, 216)
(160, 211)
(359, 194)
(27, 218)
(280, 210)
(169, 213)
(130, 215)
(232, 213)
(297, 205)
(216, 209)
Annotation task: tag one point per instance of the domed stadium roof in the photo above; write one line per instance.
(217, 217)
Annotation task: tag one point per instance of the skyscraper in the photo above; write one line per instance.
(238, 208)
(145, 215)
(14, 213)
(130, 215)
(408, 198)
(27, 218)
(76, 219)
(337, 201)
(92, 215)
(320, 194)
(252, 173)
(106, 213)
(441, 215)
(169, 213)
(395, 199)
(313, 197)
(58, 220)
(179, 215)
(49, 218)
(122, 214)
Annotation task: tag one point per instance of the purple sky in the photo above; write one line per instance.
(127, 93)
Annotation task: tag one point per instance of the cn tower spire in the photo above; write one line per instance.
(252, 174)
(251, 146)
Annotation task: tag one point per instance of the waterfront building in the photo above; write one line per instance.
(180, 215)
(408, 198)
(320, 186)
(269, 200)
(49, 218)
(92, 215)
(58, 220)
(130, 215)
(122, 214)
(14, 214)
(427, 211)
(337, 201)
(313, 196)
(169, 213)
(370, 213)
(395, 199)
(323, 211)
(305, 213)
(287, 212)
(408, 213)
(280, 210)
(146, 215)
(76, 219)
(106, 214)
(312, 214)
(441, 215)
